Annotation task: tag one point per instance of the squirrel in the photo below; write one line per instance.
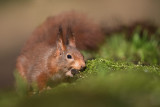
(52, 51)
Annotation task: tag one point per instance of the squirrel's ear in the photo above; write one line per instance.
(70, 37)
(60, 40)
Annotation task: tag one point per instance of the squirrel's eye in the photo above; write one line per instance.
(69, 56)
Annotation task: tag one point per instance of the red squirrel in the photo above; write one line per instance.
(52, 50)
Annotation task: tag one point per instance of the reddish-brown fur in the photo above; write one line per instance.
(41, 80)
(88, 34)
(37, 61)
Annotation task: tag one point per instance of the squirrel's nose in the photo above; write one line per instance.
(83, 66)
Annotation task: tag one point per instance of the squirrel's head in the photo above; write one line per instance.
(69, 60)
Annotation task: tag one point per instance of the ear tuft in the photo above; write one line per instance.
(70, 37)
(60, 30)
(60, 40)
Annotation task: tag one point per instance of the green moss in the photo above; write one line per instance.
(20, 84)
(105, 83)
